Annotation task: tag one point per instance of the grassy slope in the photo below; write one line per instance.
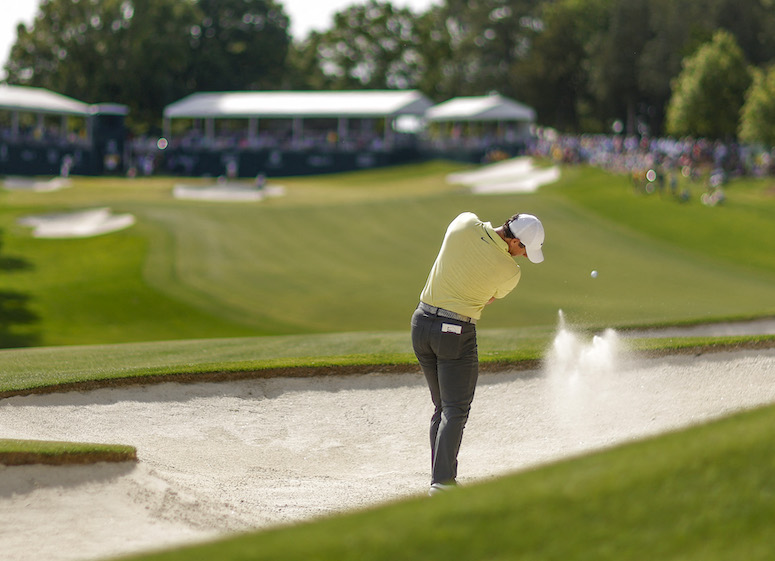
(735, 232)
(704, 494)
(45, 368)
(364, 264)
(351, 252)
(25, 369)
(90, 290)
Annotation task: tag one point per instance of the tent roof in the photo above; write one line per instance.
(39, 100)
(493, 107)
(286, 104)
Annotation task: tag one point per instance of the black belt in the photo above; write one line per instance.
(441, 312)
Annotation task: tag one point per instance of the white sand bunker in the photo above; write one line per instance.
(227, 192)
(37, 185)
(78, 224)
(517, 175)
(222, 458)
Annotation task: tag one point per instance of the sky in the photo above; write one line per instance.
(305, 15)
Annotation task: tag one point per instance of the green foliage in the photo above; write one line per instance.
(371, 46)
(238, 45)
(149, 53)
(710, 91)
(581, 63)
(554, 77)
(472, 48)
(757, 123)
(615, 75)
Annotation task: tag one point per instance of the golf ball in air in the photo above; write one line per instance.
(593, 274)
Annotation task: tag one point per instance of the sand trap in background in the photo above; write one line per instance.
(78, 224)
(226, 457)
(227, 192)
(517, 175)
(37, 185)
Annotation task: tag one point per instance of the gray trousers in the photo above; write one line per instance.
(450, 362)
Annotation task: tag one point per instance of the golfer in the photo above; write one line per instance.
(474, 267)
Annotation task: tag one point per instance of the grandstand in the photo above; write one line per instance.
(256, 133)
(45, 133)
(292, 133)
(477, 128)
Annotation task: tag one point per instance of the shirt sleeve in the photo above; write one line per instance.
(505, 288)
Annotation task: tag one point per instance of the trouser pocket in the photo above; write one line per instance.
(455, 340)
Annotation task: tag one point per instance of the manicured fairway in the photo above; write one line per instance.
(351, 252)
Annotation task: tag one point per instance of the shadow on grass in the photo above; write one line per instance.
(15, 309)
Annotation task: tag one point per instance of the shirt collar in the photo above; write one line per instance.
(495, 238)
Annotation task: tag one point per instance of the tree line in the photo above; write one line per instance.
(681, 67)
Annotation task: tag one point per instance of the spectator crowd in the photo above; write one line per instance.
(656, 164)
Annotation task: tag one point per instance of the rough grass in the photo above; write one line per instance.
(25, 452)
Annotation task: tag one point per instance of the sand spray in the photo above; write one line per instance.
(582, 373)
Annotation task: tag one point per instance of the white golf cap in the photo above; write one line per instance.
(530, 232)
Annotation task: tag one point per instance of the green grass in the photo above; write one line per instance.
(24, 452)
(47, 367)
(350, 253)
(325, 279)
(42, 369)
(704, 494)
(736, 232)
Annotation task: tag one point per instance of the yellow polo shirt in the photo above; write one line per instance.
(473, 266)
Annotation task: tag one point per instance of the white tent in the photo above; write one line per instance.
(493, 107)
(45, 103)
(39, 100)
(391, 106)
(477, 124)
(286, 104)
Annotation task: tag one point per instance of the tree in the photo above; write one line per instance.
(554, 77)
(472, 47)
(70, 48)
(371, 46)
(709, 93)
(238, 45)
(757, 122)
(149, 53)
(672, 39)
(679, 27)
(152, 61)
(614, 69)
(752, 22)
